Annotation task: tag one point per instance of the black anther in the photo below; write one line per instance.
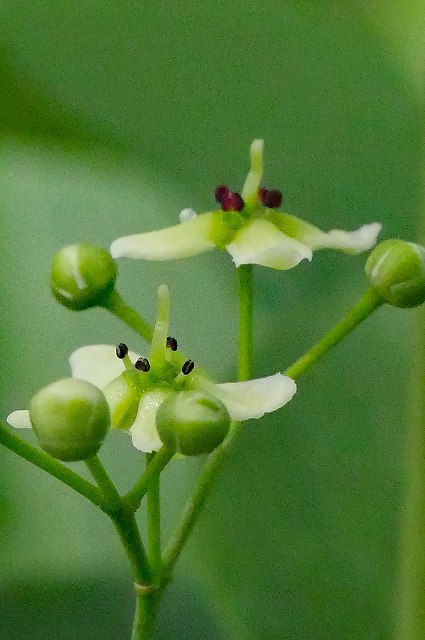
(172, 343)
(187, 367)
(121, 350)
(142, 364)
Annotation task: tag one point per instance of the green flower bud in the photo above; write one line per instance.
(192, 422)
(70, 418)
(396, 270)
(82, 276)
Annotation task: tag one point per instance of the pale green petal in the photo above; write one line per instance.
(253, 179)
(181, 241)
(98, 364)
(19, 419)
(261, 242)
(353, 242)
(123, 402)
(143, 432)
(253, 398)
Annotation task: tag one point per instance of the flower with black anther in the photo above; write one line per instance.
(396, 269)
(82, 276)
(135, 387)
(70, 418)
(247, 225)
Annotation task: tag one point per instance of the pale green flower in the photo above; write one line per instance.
(135, 394)
(249, 227)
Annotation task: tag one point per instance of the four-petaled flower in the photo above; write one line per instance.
(248, 226)
(135, 395)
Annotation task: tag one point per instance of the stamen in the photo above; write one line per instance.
(232, 201)
(271, 198)
(172, 343)
(220, 191)
(187, 367)
(142, 364)
(121, 350)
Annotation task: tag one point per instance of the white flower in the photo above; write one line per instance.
(135, 395)
(253, 232)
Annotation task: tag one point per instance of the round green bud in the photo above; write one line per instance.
(82, 276)
(192, 422)
(70, 418)
(396, 269)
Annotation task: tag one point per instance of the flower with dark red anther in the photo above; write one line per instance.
(248, 226)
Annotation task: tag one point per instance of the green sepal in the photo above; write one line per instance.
(224, 226)
(122, 396)
(290, 225)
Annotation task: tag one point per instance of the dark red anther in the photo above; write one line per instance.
(220, 191)
(271, 198)
(232, 201)
(262, 193)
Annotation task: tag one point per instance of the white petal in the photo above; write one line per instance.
(19, 419)
(253, 398)
(261, 242)
(143, 432)
(180, 241)
(98, 364)
(362, 239)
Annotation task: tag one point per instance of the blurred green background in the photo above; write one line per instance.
(113, 117)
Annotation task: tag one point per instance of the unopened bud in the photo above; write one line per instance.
(82, 276)
(192, 422)
(396, 269)
(70, 418)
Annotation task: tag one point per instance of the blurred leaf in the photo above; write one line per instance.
(299, 539)
(402, 31)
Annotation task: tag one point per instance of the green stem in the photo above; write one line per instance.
(45, 462)
(147, 601)
(245, 290)
(366, 305)
(195, 504)
(112, 497)
(116, 305)
(129, 534)
(410, 602)
(134, 497)
(154, 518)
(124, 521)
(216, 459)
